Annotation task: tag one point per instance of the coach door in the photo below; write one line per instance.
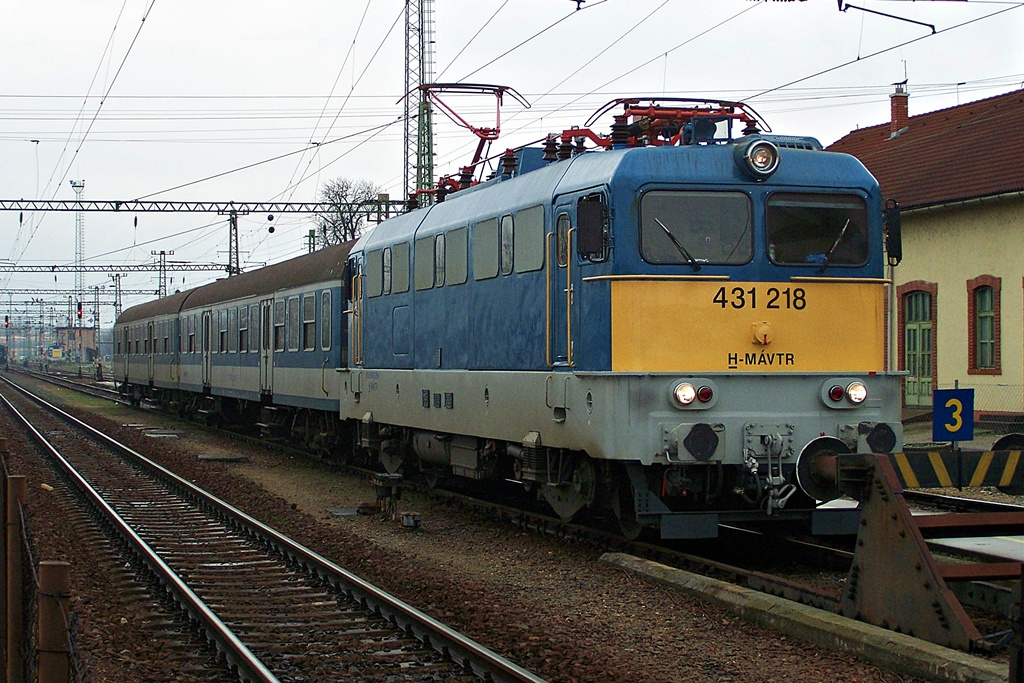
(205, 333)
(150, 349)
(266, 346)
(126, 336)
(559, 289)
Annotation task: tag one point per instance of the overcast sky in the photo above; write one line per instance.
(153, 109)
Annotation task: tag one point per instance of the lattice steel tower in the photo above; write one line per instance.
(419, 70)
(79, 187)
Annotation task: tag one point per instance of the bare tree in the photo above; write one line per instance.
(347, 221)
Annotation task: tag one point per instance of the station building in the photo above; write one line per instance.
(957, 302)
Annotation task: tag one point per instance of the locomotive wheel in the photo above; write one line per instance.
(624, 507)
(1010, 442)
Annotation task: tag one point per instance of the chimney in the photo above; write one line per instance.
(898, 103)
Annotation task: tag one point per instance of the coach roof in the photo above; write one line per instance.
(320, 266)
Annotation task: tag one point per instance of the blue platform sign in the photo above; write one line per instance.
(952, 415)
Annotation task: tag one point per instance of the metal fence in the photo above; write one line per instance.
(39, 632)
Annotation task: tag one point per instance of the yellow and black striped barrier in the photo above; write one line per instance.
(951, 469)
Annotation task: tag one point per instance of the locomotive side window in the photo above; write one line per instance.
(400, 268)
(562, 240)
(485, 249)
(308, 322)
(507, 245)
(817, 229)
(456, 256)
(325, 319)
(423, 263)
(279, 325)
(529, 239)
(293, 323)
(439, 261)
(591, 214)
(386, 270)
(374, 273)
(696, 228)
(243, 329)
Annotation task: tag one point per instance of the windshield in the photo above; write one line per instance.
(817, 229)
(695, 228)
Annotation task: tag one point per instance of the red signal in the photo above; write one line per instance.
(79, 312)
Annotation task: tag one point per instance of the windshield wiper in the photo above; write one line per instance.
(835, 245)
(682, 250)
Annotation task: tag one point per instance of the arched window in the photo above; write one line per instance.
(983, 325)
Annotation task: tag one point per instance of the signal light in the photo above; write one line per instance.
(836, 393)
(856, 392)
(7, 321)
(684, 393)
(79, 312)
(705, 394)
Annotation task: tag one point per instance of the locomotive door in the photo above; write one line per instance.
(205, 332)
(266, 346)
(150, 349)
(559, 290)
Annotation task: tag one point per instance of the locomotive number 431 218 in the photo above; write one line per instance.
(794, 298)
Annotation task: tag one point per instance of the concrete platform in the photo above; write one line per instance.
(885, 649)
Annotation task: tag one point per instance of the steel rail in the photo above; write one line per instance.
(484, 662)
(249, 667)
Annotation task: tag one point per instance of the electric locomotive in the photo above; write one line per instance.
(662, 325)
(667, 325)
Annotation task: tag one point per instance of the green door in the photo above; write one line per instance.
(917, 348)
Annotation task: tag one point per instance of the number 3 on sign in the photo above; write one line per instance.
(953, 417)
(956, 415)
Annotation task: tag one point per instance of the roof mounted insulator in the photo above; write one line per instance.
(440, 193)
(550, 149)
(751, 129)
(466, 176)
(412, 203)
(565, 148)
(580, 147)
(508, 162)
(620, 132)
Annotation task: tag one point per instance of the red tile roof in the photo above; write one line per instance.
(964, 152)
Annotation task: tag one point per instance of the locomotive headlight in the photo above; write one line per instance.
(684, 393)
(856, 392)
(757, 158)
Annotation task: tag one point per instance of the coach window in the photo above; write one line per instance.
(309, 322)
(223, 329)
(529, 239)
(167, 336)
(456, 256)
(293, 323)
(695, 228)
(233, 329)
(325, 320)
(485, 249)
(400, 268)
(374, 273)
(243, 329)
(817, 229)
(254, 323)
(507, 246)
(439, 261)
(279, 325)
(191, 320)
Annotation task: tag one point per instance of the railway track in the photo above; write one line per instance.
(276, 610)
(798, 569)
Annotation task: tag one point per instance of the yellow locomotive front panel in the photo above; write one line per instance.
(696, 326)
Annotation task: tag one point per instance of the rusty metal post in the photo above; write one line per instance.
(3, 558)
(52, 643)
(15, 609)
